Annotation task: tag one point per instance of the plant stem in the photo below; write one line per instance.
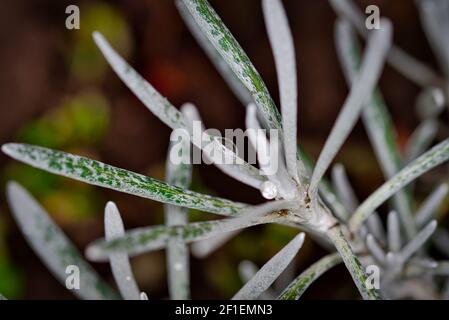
(352, 263)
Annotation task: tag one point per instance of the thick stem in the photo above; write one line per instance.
(352, 263)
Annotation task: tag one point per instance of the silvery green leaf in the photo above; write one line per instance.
(295, 290)
(377, 121)
(177, 255)
(353, 264)
(363, 86)
(168, 114)
(417, 242)
(421, 139)
(343, 188)
(429, 207)
(434, 17)
(120, 265)
(408, 66)
(248, 270)
(281, 41)
(280, 178)
(157, 104)
(202, 249)
(228, 47)
(263, 279)
(236, 86)
(393, 232)
(432, 158)
(221, 156)
(141, 240)
(2, 297)
(104, 175)
(52, 246)
(375, 248)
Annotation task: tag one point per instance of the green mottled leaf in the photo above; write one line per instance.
(104, 175)
(140, 240)
(295, 290)
(352, 264)
(231, 51)
(236, 86)
(52, 246)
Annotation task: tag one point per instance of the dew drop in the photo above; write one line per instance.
(268, 190)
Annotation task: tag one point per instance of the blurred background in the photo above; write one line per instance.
(56, 90)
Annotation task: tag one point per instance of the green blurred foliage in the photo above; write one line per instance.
(86, 60)
(79, 120)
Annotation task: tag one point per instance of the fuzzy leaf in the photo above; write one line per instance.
(281, 41)
(353, 264)
(417, 242)
(231, 51)
(140, 240)
(432, 158)
(295, 290)
(104, 175)
(178, 269)
(120, 265)
(263, 279)
(393, 232)
(168, 114)
(421, 139)
(377, 122)
(52, 246)
(363, 86)
(408, 66)
(236, 86)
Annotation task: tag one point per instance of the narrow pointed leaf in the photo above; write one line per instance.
(343, 188)
(120, 265)
(377, 122)
(283, 49)
(178, 269)
(393, 232)
(353, 264)
(168, 114)
(104, 175)
(363, 86)
(417, 242)
(228, 47)
(421, 139)
(140, 240)
(236, 86)
(202, 249)
(296, 289)
(375, 249)
(263, 279)
(407, 65)
(157, 104)
(52, 246)
(432, 158)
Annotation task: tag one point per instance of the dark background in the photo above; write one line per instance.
(46, 68)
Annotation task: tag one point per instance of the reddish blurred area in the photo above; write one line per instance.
(36, 63)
